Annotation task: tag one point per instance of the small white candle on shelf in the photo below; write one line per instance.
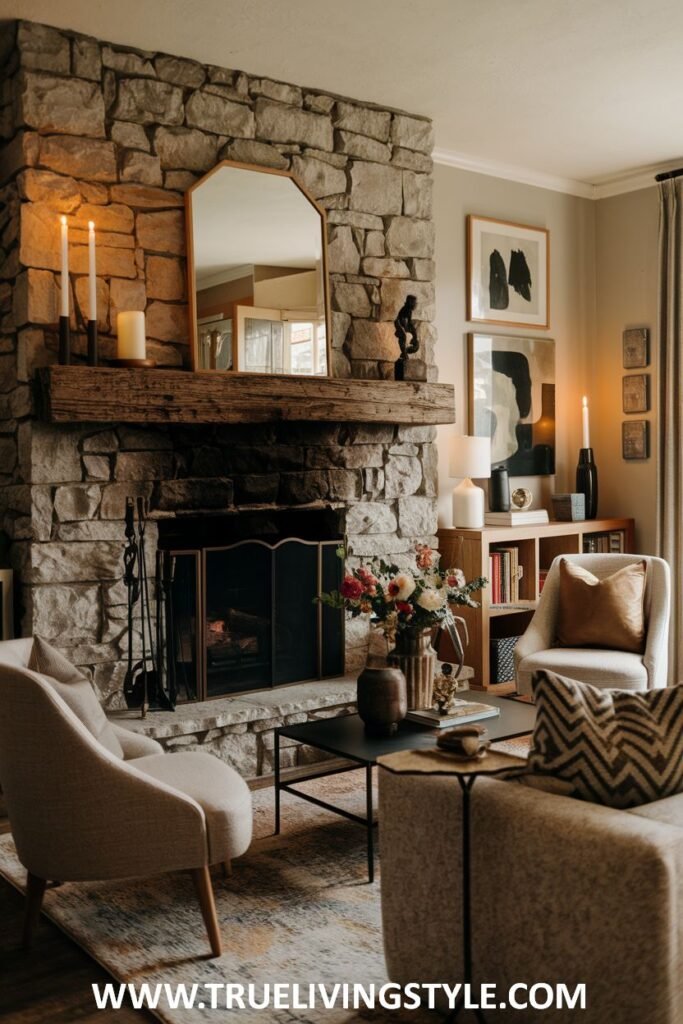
(64, 298)
(92, 273)
(586, 428)
(130, 328)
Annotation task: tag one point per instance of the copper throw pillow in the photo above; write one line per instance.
(622, 748)
(602, 612)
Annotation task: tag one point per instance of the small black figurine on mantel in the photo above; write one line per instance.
(405, 327)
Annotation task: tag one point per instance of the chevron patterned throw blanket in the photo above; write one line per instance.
(621, 748)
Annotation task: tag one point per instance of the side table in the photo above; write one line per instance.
(437, 762)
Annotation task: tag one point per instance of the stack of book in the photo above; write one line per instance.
(505, 573)
(460, 713)
(604, 543)
(527, 518)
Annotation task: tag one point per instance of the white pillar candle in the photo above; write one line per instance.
(64, 298)
(130, 328)
(92, 273)
(586, 428)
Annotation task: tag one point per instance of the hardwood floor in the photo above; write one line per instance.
(49, 984)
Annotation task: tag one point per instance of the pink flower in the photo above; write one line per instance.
(424, 556)
(455, 578)
(366, 577)
(351, 588)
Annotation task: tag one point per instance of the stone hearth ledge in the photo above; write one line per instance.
(240, 729)
(300, 699)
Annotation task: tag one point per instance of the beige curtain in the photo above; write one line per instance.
(670, 454)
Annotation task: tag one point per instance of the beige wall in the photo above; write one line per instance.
(571, 222)
(626, 265)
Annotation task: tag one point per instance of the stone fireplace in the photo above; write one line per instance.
(103, 132)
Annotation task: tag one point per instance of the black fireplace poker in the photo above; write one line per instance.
(143, 685)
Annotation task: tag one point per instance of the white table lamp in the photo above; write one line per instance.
(470, 457)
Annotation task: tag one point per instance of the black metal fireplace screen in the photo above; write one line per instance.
(244, 616)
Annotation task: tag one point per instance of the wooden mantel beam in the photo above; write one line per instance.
(84, 394)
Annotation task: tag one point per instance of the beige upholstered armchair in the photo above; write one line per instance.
(536, 650)
(88, 800)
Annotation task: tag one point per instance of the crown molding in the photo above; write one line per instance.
(632, 181)
(603, 188)
(522, 175)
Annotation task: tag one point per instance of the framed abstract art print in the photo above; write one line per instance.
(508, 273)
(512, 401)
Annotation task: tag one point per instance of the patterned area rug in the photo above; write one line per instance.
(296, 909)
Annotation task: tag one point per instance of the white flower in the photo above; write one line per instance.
(405, 584)
(455, 578)
(432, 600)
(433, 581)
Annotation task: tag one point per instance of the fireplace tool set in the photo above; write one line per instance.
(150, 683)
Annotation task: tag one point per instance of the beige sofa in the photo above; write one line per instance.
(562, 891)
(88, 800)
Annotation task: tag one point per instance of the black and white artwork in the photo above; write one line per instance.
(512, 401)
(507, 273)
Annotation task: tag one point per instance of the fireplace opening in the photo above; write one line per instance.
(241, 596)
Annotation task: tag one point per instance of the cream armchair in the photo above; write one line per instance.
(536, 650)
(80, 812)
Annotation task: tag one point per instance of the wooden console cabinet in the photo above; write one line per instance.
(537, 546)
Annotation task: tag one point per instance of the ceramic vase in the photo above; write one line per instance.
(381, 699)
(416, 658)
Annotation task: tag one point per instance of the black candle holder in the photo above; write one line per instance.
(64, 341)
(587, 481)
(92, 343)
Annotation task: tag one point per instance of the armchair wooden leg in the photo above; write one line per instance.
(227, 868)
(202, 880)
(35, 890)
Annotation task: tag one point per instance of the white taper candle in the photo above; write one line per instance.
(64, 298)
(92, 273)
(586, 427)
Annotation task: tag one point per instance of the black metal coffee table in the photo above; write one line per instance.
(345, 737)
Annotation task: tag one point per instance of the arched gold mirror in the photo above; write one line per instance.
(257, 273)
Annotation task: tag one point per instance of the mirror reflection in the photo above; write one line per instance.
(257, 274)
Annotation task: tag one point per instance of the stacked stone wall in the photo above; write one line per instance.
(103, 132)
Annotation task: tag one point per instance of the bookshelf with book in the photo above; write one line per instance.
(515, 559)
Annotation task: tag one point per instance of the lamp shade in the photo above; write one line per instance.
(470, 457)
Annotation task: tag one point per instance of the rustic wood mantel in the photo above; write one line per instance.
(84, 394)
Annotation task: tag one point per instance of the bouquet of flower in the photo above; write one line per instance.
(404, 600)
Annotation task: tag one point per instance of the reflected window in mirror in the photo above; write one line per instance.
(257, 274)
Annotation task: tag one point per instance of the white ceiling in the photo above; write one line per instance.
(577, 89)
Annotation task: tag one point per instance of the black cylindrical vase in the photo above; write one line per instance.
(499, 490)
(587, 481)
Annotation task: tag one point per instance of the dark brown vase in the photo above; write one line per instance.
(382, 701)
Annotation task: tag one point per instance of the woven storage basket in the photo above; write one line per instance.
(502, 661)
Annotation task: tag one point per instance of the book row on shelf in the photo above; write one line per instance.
(505, 573)
(604, 543)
